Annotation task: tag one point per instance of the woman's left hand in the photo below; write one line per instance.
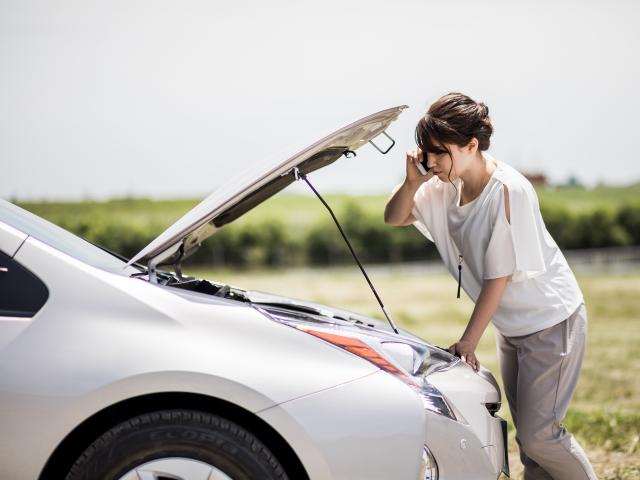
(466, 351)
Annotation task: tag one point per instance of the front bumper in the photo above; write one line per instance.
(376, 427)
(474, 445)
(371, 428)
(459, 452)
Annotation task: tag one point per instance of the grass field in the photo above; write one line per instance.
(605, 412)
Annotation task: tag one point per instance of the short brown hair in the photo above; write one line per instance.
(454, 118)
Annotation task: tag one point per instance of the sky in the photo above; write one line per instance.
(167, 99)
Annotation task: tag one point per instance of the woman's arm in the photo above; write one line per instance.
(488, 301)
(398, 209)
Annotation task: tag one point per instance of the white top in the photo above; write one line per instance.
(542, 290)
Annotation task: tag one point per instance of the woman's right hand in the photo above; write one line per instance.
(414, 157)
(398, 208)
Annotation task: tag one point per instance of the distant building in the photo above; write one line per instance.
(537, 179)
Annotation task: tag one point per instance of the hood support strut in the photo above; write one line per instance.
(298, 175)
(155, 262)
(160, 260)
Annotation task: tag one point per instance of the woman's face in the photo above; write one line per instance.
(440, 161)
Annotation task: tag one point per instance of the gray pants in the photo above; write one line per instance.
(540, 372)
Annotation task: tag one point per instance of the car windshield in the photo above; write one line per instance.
(61, 239)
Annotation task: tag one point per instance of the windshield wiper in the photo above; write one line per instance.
(290, 306)
(298, 175)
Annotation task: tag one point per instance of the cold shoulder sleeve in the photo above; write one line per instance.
(515, 244)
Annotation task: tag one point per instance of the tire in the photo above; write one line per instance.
(183, 434)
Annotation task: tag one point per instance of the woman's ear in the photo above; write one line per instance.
(472, 146)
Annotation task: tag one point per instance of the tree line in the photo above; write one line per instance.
(275, 244)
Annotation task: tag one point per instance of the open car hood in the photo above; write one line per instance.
(237, 197)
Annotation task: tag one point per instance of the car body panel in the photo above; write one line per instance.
(129, 338)
(459, 452)
(10, 239)
(342, 434)
(466, 390)
(475, 442)
(135, 338)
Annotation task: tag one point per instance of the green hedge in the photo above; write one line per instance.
(272, 242)
(596, 229)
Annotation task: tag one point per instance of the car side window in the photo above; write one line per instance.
(22, 294)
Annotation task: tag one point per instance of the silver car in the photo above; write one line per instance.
(125, 369)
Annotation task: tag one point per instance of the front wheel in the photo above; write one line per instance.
(177, 445)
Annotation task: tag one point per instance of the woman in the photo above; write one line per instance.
(485, 220)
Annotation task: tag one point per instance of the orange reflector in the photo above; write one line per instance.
(359, 348)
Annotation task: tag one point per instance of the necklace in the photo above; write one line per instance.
(485, 181)
(459, 274)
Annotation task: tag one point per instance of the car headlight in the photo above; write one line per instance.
(411, 364)
(419, 360)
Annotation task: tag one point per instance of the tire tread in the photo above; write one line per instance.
(178, 417)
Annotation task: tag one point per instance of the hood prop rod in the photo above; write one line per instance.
(298, 175)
